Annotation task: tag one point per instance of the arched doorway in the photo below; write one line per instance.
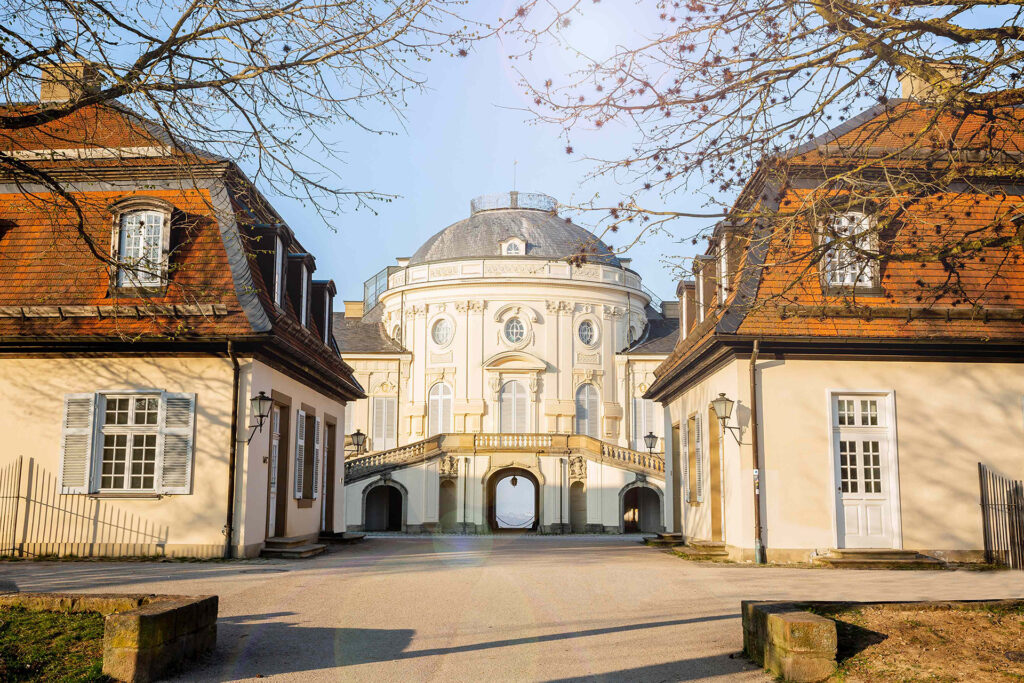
(578, 507)
(447, 503)
(383, 509)
(641, 510)
(513, 500)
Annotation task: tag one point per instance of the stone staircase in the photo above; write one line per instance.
(341, 537)
(291, 548)
(870, 558)
(696, 549)
(664, 540)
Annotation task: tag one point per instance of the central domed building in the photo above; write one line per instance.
(507, 356)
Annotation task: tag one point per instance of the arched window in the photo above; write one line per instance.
(439, 409)
(512, 408)
(512, 248)
(140, 244)
(587, 412)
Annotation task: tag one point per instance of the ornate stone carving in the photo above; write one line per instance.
(594, 358)
(581, 376)
(477, 305)
(577, 468)
(448, 467)
(496, 385)
(613, 311)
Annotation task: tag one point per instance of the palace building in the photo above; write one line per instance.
(491, 359)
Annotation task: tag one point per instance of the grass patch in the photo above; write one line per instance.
(51, 646)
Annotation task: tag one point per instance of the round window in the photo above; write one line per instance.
(442, 331)
(514, 330)
(586, 332)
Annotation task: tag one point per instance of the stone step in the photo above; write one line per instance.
(704, 550)
(280, 542)
(344, 537)
(298, 552)
(710, 546)
(663, 541)
(878, 559)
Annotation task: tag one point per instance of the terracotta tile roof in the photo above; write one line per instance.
(785, 297)
(53, 287)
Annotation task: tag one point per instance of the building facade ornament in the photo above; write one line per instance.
(448, 467)
(577, 468)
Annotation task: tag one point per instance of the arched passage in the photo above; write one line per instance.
(578, 507)
(504, 505)
(640, 508)
(448, 505)
(383, 508)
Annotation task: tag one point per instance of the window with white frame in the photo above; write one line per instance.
(861, 436)
(848, 260)
(587, 410)
(587, 333)
(645, 421)
(512, 249)
(723, 269)
(127, 442)
(279, 257)
(304, 296)
(439, 409)
(513, 408)
(385, 423)
(140, 249)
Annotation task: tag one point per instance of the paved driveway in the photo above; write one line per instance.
(490, 608)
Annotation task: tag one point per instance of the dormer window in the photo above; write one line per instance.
(279, 256)
(848, 261)
(140, 242)
(304, 298)
(513, 246)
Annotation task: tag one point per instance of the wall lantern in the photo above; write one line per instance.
(650, 441)
(723, 406)
(261, 405)
(358, 439)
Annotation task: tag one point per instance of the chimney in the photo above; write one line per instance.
(353, 309)
(670, 309)
(916, 88)
(69, 81)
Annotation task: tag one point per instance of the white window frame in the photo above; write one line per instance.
(451, 331)
(723, 269)
(304, 296)
(97, 430)
(439, 408)
(591, 424)
(389, 435)
(640, 406)
(130, 430)
(503, 406)
(842, 267)
(893, 478)
(279, 261)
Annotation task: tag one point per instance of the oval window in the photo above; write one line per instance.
(586, 332)
(514, 330)
(442, 332)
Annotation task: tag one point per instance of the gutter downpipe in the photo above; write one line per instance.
(229, 529)
(759, 549)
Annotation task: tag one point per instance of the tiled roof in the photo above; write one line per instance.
(53, 287)
(660, 337)
(359, 335)
(786, 300)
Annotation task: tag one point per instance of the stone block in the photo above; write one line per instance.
(788, 642)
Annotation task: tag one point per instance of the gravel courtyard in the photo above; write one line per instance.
(493, 608)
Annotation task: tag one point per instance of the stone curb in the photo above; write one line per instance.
(145, 636)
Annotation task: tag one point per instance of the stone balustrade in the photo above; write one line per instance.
(550, 444)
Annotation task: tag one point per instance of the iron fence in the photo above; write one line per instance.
(1002, 513)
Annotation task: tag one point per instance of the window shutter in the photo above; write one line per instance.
(176, 443)
(684, 458)
(699, 448)
(433, 410)
(317, 448)
(521, 421)
(390, 422)
(446, 410)
(377, 436)
(300, 451)
(505, 409)
(593, 413)
(76, 442)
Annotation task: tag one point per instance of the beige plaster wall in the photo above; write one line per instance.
(949, 416)
(52, 523)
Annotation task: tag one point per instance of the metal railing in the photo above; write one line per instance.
(1002, 515)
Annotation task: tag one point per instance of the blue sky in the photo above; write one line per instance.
(459, 139)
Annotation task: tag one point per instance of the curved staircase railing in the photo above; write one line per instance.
(371, 464)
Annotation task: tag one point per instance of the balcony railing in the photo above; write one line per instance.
(467, 444)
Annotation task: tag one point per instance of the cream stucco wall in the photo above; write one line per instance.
(95, 525)
(174, 525)
(949, 416)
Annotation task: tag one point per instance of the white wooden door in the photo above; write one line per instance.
(275, 444)
(862, 461)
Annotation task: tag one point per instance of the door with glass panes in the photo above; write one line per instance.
(860, 442)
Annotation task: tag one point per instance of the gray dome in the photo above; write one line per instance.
(496, 218)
